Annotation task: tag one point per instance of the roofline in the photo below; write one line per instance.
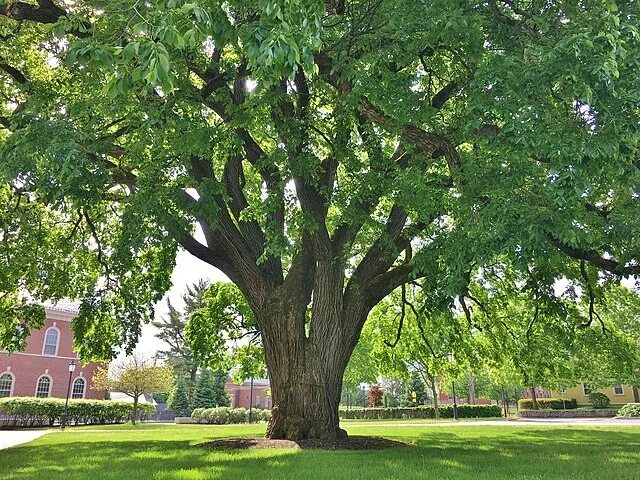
(65, 314)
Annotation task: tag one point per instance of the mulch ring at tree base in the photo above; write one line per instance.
(350, 443)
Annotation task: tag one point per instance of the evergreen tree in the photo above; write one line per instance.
(179, 399)
(416, 385)
(170, 330)
(209, 391)
(219, 380)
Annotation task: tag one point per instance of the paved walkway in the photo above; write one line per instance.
(11, 438)
(581, 422)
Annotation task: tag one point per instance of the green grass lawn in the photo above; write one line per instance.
(168, 452)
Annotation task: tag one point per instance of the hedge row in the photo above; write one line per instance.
(226, 415)
(600, 413)
(548, 403)
(630, 410)
(32, 411)
(446, 411)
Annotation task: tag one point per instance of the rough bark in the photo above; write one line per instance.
(306, 402)
(305, 371)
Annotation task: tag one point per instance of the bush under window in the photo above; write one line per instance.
(599, 400)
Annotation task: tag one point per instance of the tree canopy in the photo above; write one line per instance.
(134, 377)
(320, 154)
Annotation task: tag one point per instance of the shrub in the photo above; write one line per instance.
(600, 413)
(630, 410)
(238, 415)
(197, 414)
(446, 411)
(260, 415)
(31, 411)
(226, 415)
(599, 400)
(548, 403)
(375, 396)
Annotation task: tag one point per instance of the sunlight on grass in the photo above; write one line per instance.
(169, 452)
(185, 475)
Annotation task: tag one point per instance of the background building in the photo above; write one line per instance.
(618, 394)
(241, 394)
(42, 369)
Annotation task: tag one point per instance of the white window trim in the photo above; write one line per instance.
(621, 388)
(50, 385)
(84, 388)
(13, 381)
(584, 390)
(44, 343)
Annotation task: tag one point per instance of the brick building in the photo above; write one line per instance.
(241, 395)
(42, 369)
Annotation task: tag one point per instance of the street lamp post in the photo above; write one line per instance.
(72, 367)
(455, 402)
(251, 401)
(453, 385)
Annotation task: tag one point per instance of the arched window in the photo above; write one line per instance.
(6, 384)
(43, 389)
(51, 338)
(79, 385)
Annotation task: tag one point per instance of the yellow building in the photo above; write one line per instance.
(618, 394)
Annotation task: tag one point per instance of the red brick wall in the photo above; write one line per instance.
(240, 395)
(28, 366)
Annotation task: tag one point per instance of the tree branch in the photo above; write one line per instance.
(595, 258)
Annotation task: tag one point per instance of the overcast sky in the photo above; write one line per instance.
(188, 270)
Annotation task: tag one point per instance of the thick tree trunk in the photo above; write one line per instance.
(306, 364)
(306, 404)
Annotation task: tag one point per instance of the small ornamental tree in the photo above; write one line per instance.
(179, 399)
(375, 395)
(134, 376)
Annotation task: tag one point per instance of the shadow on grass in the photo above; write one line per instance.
(526, 454)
